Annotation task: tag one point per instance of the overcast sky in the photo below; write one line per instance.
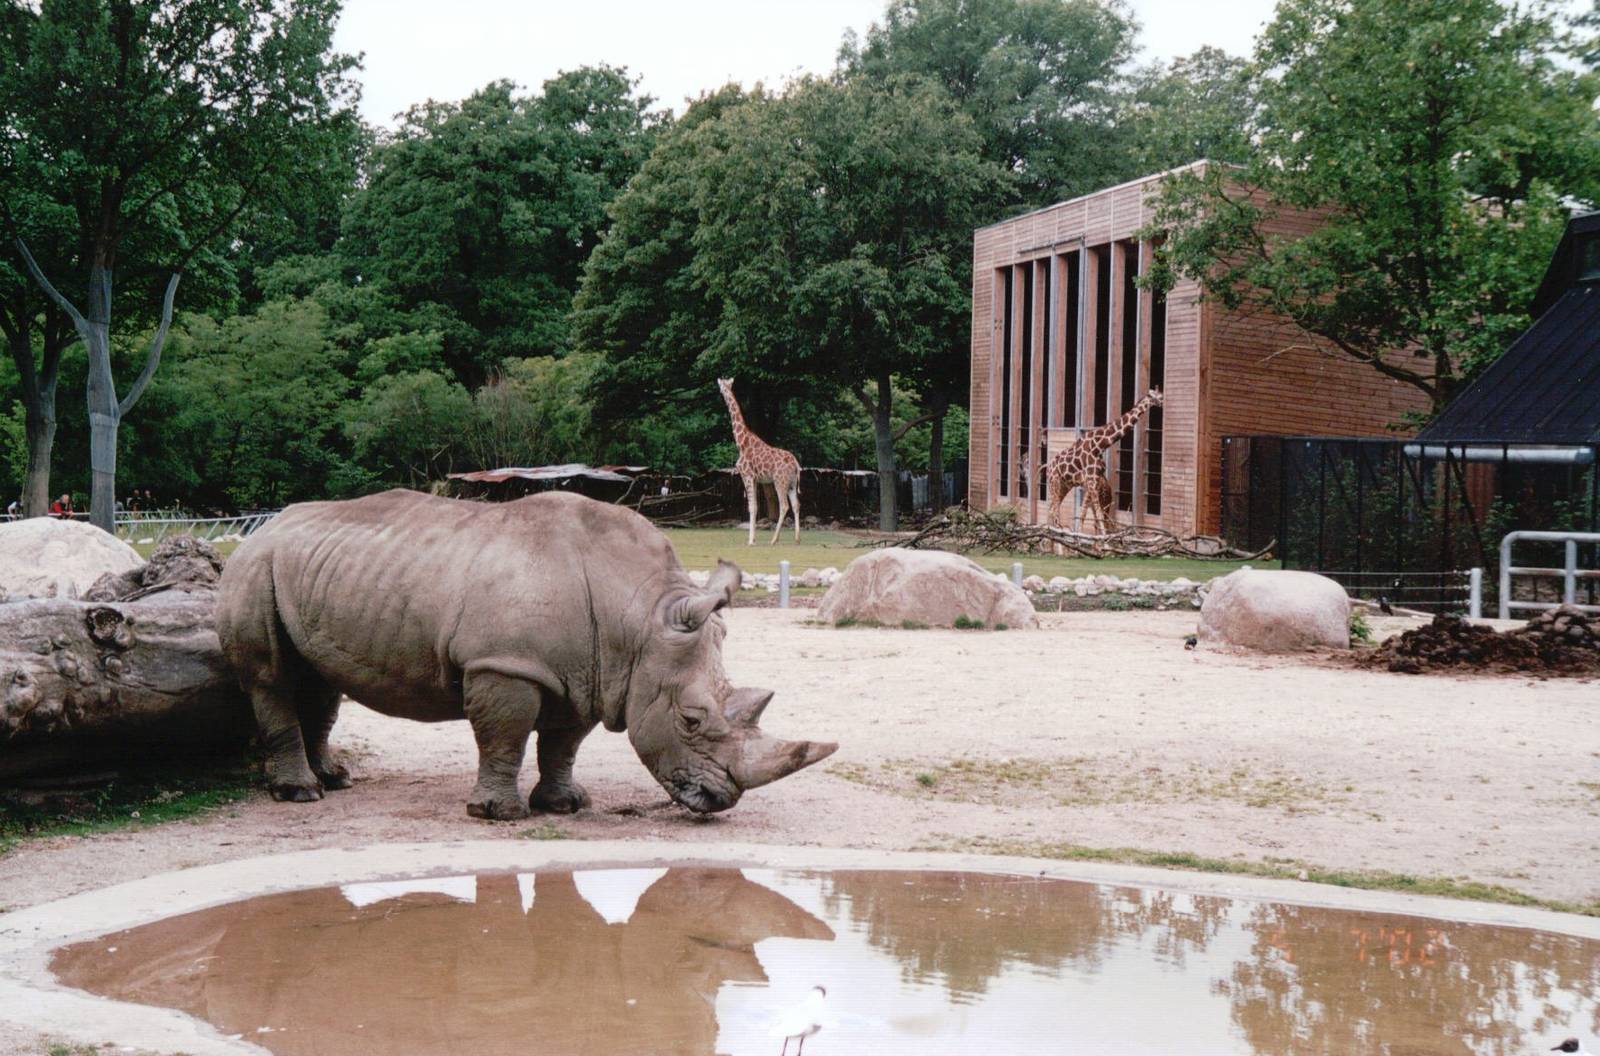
(421, 49)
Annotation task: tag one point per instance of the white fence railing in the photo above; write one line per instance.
(1569, 573)
(136, 528)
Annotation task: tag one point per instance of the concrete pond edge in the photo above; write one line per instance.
(31, 997)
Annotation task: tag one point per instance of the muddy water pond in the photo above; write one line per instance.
(704, 961)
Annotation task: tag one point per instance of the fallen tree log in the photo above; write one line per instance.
(90, 684)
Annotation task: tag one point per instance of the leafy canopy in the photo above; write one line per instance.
(1438, 169)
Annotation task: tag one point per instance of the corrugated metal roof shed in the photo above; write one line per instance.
(1545, 389)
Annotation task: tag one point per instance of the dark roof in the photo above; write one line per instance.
(1545, 389)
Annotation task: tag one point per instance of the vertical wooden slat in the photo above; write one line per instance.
(1089, 335)
(1114, 406)
(1141, 380)
(1037, 386)
(1017, 286)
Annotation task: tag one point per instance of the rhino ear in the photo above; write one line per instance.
(725, 579)
(690, 613)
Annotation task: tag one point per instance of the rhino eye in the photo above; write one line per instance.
(691, 722)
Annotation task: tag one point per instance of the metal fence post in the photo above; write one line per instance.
(1505, 576)
(1569, 581)
(1475, 593)
(1016, 572)
(783, 584)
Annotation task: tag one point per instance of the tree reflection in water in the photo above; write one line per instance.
(1322, 981)
(966, 929)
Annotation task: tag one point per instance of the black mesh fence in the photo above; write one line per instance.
(1404, 519)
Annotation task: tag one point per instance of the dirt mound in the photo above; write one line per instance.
(1565, 640)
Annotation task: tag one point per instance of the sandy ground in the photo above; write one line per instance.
(1098, 729)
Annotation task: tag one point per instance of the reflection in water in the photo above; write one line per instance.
(694, 961)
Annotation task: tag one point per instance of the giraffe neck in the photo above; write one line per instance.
(1114, 431)
(741, 432)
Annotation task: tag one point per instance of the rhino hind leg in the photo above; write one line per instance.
(289, 775)
(318, 704)
(557, 792)
(502, 711)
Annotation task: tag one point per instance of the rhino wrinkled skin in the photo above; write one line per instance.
(553, 614)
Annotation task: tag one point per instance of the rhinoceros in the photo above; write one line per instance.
(552, 613)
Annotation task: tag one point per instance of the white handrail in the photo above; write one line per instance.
(1569, 574)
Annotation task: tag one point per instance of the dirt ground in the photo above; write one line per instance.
(1099, 729)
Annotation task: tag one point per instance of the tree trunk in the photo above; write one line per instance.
(41, 433)
(937, 500)
(85, 684)
(104, 414)
(883, 437)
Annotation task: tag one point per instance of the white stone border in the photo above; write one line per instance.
(31, 997)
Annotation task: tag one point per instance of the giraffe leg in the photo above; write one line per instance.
(794, 504)
(783, 512)
(751, 498)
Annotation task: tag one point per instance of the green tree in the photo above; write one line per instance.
(834, 232)
(478, 215)
(252, 402)
(1438, 170)
(162, 124)
(1194, 108)
(1038, 79)
(410, 428)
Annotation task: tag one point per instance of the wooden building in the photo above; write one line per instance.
(1063, 339)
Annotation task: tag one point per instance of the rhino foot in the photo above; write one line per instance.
(284, 791)
(559, 799)
(334, 777)
(497, 809)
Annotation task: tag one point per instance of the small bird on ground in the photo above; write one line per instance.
(1570, 1045)
(801, 1021)
(1384, 606)
(1190, 642)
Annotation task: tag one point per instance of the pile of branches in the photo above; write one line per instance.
(1000, 530)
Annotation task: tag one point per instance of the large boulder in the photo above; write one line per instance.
(894, 587)
(1276, 612)
(43, 557)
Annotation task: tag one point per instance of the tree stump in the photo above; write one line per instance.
(86, 684)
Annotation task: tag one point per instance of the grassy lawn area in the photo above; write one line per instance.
(701, 547)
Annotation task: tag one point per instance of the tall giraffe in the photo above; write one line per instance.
(761, 463)
(1075, 464)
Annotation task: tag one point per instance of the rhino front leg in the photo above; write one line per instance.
(289, 773)
(502, 711)
(557, 792)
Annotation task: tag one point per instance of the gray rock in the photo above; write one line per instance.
(1276, 611)
(931, 587)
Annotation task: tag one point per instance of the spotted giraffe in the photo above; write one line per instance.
(1099, 500)
(761, 463)
(1073, 465)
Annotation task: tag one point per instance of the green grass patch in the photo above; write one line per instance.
(545, 830)
(963, 622)
(146, 549)
(149, 795)
(1278, 869)
(702, 547)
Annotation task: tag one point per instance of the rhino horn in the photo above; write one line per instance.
(744, 708)
(765, 759)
